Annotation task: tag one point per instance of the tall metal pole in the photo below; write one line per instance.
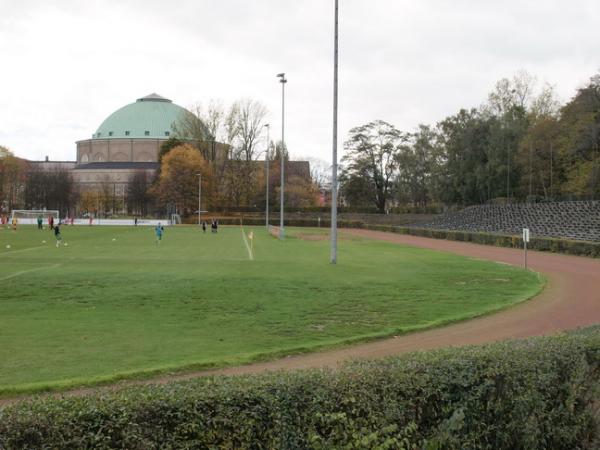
(334, 153)
(267, 163)
(282, 80)
(199, 196)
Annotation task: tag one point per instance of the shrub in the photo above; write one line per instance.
(570, 247)
(531, 394)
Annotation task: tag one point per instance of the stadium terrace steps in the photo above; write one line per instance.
(577, 220)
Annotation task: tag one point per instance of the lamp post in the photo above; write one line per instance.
(282, 80)
(199, 175)
(333, 256)
(267, 163)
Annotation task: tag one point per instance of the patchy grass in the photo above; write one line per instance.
(103, 309)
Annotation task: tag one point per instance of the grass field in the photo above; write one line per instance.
(114, 304)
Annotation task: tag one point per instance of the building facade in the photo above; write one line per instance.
(128, 143)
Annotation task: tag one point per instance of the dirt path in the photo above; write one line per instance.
(571, 300)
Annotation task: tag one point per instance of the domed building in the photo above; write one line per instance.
(129, 140)
(132, 133)
(123, 153)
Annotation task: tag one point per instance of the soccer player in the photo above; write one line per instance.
(57, 235)
(51, 222)
(204, 226)
(39, 222)
(159, 230)
(14, 223)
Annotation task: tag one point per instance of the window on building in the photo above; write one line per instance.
(98, 134)
(146, 133)
(127, 133)
(110, 133)
(167, 133)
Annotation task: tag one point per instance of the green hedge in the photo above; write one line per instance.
(539, 393)
(570, 247)
(255, 221)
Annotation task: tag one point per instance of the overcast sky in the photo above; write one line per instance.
(66, 65)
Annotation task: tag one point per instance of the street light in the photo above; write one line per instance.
(333, 257)
(199, 175)
(282, 80)
(267, 163)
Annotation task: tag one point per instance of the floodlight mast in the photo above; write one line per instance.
(282, 80)
(334, 187)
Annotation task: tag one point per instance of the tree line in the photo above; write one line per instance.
(522, 144)
(237, 181)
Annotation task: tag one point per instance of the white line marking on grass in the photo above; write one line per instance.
(250, 255)
(24, 250)
(23, 272)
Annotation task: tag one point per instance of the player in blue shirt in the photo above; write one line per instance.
(159, 230)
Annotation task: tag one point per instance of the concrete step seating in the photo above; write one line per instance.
(578, 220)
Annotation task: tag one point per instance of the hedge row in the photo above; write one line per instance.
(539, 393)
(570, 247)
(257, 221)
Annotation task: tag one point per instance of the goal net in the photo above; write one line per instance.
(30, 216)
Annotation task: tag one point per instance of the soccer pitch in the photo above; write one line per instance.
(114, 304)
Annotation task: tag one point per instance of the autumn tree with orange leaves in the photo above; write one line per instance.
(178, 181)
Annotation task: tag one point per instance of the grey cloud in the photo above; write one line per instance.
(406, 62)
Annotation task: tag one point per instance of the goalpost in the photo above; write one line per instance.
(29, 216)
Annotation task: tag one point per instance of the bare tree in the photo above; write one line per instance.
(545, 103)
(105, 196)
(239, 183)
(320, 171)
(190, 126)
(507, 94)
(244, 125)
(214, 117)
(137, 192)
(50, 188)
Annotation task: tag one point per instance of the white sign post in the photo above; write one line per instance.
(525, 241)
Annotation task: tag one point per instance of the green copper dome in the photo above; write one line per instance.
(149, 117)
